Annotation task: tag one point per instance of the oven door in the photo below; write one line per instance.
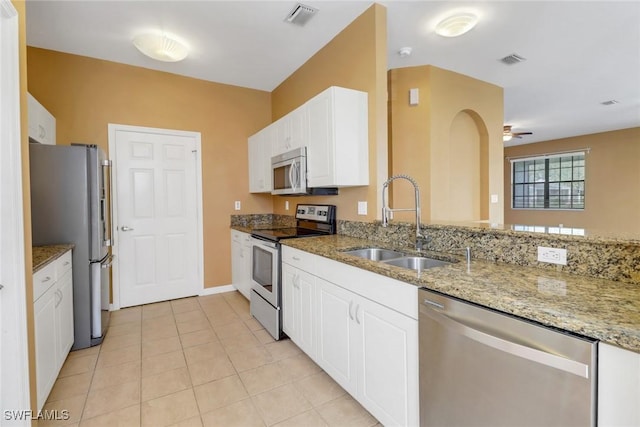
(265, 266)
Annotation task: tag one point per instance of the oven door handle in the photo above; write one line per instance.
(259, 242)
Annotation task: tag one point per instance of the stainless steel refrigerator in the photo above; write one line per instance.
(70, 203)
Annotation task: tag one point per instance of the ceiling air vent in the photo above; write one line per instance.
(514, 58)
(300, 14)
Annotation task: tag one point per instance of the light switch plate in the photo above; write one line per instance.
(362, 208)
(414, 96)
(494, 198)
(286, 205)
(237, 205)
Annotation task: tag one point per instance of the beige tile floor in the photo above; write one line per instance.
(201, 361)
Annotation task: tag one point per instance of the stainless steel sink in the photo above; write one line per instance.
(416, 263)
(376, 254)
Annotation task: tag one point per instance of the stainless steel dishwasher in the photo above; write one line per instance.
(480, 367)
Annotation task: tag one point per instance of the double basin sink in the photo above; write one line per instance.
(398, 259)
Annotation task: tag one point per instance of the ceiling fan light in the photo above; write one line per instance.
(506, 137)
(161, 47)
(456, 25)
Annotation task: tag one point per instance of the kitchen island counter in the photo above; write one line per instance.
(597, 308)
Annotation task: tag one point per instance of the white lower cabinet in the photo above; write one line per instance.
(241, 262)
(368, 348)
(371, 351)
(298, 289)
(618, 387)
(53, 320)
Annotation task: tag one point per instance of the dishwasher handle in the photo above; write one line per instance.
(529, 353)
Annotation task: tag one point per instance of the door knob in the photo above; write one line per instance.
(125, 228)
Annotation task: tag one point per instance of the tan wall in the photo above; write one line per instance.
(612, 183)
(356, 59)
(428, 139)
(86, 94)
(24, 129)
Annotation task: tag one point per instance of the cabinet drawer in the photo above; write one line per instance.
(44, 279)
(63, 264)
(299, 259)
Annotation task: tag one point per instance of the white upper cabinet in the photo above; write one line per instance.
(42, 124)
(291, 131)
(338, 142)
(333, 126)
(260, 152)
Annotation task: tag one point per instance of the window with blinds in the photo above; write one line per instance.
(548, 182)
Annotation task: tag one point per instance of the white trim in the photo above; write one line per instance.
(14, 389)
(112, 129)
(582, 151)
(217, 290)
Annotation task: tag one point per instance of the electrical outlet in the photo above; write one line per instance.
(237, 205)
(286, 205)
(552, 255)
(494, 198)
(362, 208)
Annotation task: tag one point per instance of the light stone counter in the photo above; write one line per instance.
(43, 255)
(598, 308)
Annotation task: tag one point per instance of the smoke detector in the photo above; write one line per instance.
(300, 14)
(405, 51)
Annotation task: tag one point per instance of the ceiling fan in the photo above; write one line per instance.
(507, 134)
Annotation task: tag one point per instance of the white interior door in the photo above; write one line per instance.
(14, 369)
(158, 203)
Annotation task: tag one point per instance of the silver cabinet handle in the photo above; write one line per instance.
(46, 279)
(125, 228)
(350, 305)
(1, 287)
(295, 258)
(529, 353)
(357, 319)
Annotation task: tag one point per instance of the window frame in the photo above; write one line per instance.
(546, 185)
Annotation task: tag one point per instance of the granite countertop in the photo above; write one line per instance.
(43, 255)
(597, 308)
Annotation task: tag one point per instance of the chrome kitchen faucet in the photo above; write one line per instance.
(421, 240)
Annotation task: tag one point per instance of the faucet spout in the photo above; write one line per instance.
(421, 240)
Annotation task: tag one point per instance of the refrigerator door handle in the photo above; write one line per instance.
(107, 262)
(108, 178)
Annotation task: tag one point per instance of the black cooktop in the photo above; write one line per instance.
(286, 233)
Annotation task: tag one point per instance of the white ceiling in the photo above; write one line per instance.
(579, 54)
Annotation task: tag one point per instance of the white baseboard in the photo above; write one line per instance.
(217, 290)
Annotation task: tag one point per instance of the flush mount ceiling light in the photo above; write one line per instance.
(456, 25)
(161, 47)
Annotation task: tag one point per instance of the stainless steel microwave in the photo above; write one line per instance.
(289, 171)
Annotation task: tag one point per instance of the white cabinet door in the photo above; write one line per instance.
(307, 308)
(618, 386)
(45, 337)
(290, 131)
(290, 307)
(64, 316)
(337, 351)
(389, 364)
(42, 124)
(338, 142)
(260, 153)
(241, 262)
(298, 307)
